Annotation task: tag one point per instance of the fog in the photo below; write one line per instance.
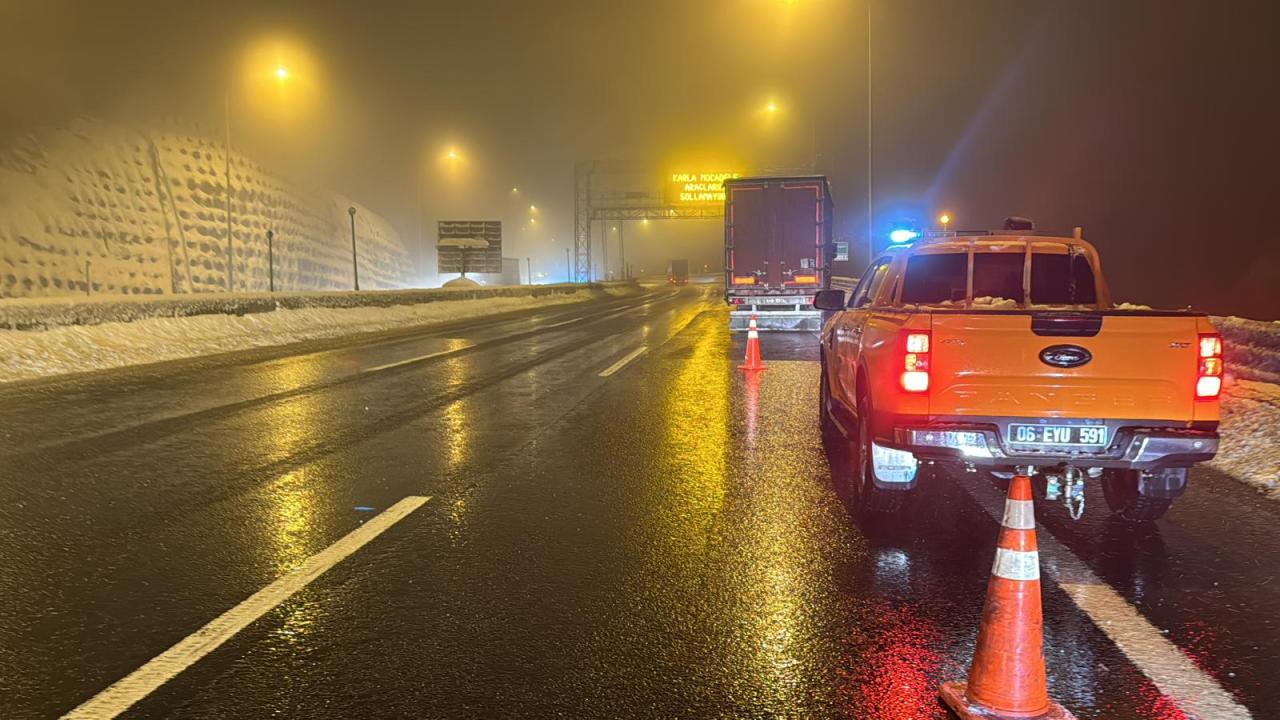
(1150, 124)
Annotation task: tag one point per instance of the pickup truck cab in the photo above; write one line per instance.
(1002, 350)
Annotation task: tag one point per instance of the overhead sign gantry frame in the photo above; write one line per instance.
(599, 196)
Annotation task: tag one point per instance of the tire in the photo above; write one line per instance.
(1120, 488)
(824, 402)
(868, 497)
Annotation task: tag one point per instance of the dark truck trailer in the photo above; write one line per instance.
(777, 231)
(678, 272)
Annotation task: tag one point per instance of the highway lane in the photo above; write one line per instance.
(661, 541)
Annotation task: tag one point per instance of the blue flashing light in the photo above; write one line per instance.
(902, 235)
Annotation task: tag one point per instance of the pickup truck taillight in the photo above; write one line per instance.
(1209, 376)
(915, 361)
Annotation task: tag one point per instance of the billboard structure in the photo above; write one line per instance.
(612, 192)
(469, 246)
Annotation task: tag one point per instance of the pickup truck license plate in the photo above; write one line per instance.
(1092, 435)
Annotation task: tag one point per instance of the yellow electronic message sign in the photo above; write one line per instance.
(697, 188)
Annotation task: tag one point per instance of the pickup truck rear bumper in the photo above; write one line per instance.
(1135, 445)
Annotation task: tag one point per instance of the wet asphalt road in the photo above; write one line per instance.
(665, 541)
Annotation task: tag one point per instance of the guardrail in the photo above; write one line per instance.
(42, 314)
(840, 282)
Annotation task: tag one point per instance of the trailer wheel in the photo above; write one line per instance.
(868, 497)
(1120, 488)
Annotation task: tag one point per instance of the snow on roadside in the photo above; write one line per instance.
(1249, 449)
(1250, 446)
(77, 348)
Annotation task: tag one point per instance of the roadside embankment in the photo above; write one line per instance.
(55, 337)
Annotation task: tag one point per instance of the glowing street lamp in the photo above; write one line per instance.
(944, 220)
(282, 75)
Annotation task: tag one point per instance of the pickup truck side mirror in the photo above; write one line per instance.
(829, 300)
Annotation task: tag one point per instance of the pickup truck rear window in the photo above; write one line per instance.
(943, 277)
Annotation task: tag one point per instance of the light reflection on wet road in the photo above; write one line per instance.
(664, 542)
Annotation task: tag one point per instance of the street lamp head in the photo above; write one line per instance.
(515, 190)
(771, 108)
(533, 208)
(351, 211)
(282, 72)
(944, 219)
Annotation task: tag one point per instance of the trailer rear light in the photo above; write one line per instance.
(1209, 374)
(915, 362)
(744, 280)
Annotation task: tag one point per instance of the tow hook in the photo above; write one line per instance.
(1074, 499)
(1067, 487)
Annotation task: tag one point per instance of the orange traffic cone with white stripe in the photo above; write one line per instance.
(753, 348)
(1007, 677)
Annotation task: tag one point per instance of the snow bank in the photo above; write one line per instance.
(77, 348)
(1252, 347)
(1250, 430)
(1250, 446)
(46, 313)
(106, 209)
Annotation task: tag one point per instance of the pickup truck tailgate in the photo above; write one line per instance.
(1143, 367)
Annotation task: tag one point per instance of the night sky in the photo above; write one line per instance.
(1153, 125)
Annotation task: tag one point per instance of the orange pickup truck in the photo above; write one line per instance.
(1002, 350)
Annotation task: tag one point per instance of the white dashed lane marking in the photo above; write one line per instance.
(145, 680)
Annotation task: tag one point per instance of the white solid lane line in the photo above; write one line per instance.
(420, 358)
(622, 363)
(145, 680)
(1197, 695)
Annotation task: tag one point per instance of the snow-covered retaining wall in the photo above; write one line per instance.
(49, 313)
(115, 210)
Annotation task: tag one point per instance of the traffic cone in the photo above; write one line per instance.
(1007, 679)
(753, 348)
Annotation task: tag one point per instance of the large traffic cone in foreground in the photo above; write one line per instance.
(1007, 679)
(753, 348)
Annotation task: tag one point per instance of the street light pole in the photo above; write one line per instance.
(271, 263)
(622, 249)
(355, 267)
(870, 206)
(226, 117)
(568, 273)
(529, 263)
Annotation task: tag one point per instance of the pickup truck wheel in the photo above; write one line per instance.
(1120, 488)
(869, 497)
